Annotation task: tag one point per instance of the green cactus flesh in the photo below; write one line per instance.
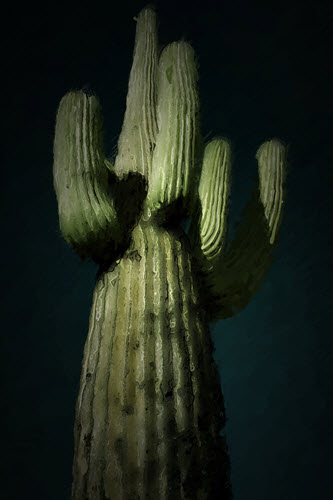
(150, 412)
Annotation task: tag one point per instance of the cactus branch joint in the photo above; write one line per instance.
(150, 413)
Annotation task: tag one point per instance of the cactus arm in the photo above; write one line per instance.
(208, 228)
(235, 276)
(87, 216)
(137, 137)
(175, 158)
(271, 157)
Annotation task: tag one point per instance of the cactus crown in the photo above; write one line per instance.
(162, 170)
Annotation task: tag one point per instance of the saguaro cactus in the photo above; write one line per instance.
(150, 413)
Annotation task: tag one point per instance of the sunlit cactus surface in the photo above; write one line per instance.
(150, 415)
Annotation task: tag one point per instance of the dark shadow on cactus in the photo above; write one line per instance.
(128, 195)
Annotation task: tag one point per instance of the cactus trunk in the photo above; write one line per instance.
(150, 407)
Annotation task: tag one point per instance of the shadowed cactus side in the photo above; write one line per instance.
(150, 412)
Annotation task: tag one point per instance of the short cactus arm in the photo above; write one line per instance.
(87, 215)
(234, 276)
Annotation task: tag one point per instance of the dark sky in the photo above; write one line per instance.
(265, 71)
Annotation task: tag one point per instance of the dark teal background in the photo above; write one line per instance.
(265, 71)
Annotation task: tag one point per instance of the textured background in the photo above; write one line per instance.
(265, 71)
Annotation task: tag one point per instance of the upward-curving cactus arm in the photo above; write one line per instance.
(235, 275)
(208, 228)
(87, 216)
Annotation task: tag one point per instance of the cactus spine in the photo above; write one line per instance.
(150, 411)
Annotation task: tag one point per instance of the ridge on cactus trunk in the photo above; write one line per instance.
(150, 413)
